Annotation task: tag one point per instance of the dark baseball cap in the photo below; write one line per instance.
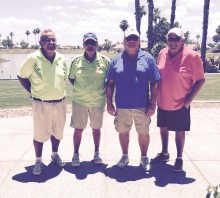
(90, 35)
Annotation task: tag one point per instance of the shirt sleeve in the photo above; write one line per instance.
(72, 70)
(26, 67)
(111, 72)
(154, 72)
(197, 70)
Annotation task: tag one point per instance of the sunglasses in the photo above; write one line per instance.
(48, 40)
(90, 42)
(176, 39)
(132, 38)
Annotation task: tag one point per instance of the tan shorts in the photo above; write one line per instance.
(49, 119)
(124, 120)
(81, 113)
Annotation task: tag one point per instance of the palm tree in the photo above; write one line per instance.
(139, 13)
(11, 35)
(27, 33)
(205, 29)
(197, 37)
(173, 10)
(35, 32)
(124, 26)
(38, 32)
(156, 15)
(150, 24)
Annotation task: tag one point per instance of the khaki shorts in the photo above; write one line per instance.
(49, 119)
(124, 120)
(81, 113)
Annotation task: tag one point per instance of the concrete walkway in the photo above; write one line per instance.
(201, 163)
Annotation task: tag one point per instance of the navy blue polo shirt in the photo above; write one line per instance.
(132, 77)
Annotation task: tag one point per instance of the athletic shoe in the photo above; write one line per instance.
(97, 159)
(75, 160)
(57, 160)
(37, 167)
(178, 166)
(123, 161)
(161, 157)
(145, 164)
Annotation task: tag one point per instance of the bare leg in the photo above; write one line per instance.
(38, 147)
(164, 135)
(77, 136)
(124, 142)
(55, 144)
(180, 142)
(144, 140)
(96, 138)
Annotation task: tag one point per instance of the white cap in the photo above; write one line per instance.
(176, 31)
(131, 31)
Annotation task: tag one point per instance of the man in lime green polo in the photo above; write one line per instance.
(87, 74)
(43, 75)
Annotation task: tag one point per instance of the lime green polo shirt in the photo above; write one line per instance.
(89, 80)
(47, 79)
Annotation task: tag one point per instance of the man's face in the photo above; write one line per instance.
(90, 45)
(132, 44)
(48, 42)
(175, 43)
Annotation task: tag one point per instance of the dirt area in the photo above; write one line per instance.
(27, 111)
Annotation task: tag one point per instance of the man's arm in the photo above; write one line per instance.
(194, 91)
(25, 82)
(153, 99)
(110, 86)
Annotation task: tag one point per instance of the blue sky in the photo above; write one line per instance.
(71, 19)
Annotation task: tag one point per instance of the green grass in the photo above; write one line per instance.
(13, 95)
(211, 89)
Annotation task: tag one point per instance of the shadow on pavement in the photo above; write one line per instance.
(164, 175)
(129, 173)
(86, 168)
(48, 172)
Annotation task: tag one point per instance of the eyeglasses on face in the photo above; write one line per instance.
(48, 40)
(132, 38)
(90, 42)
(176, 39)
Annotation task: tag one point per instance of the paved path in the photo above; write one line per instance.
(201, 163)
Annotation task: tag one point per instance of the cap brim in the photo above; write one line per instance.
(89, 38)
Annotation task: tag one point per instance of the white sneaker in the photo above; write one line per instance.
(97, 159)
(38, 167)
(57, 160)
(123, 161)
(145, 164)
(75, 160)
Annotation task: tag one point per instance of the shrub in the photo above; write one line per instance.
(212, 65)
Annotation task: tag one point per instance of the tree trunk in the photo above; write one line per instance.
(137, 15)
(204, 33)
(173, 10)
(150, 25)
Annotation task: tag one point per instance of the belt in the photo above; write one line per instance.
(50, 101)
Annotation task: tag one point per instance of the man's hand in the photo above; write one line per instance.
(111, 109)
(151, 110)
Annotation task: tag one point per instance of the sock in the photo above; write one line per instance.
(179, 158)
(54, 154)
(125, 155)
(39, 159)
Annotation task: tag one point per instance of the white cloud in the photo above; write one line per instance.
(52, 8)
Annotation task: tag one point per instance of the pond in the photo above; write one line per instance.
(9, 70)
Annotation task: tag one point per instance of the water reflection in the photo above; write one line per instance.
(9, 70)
